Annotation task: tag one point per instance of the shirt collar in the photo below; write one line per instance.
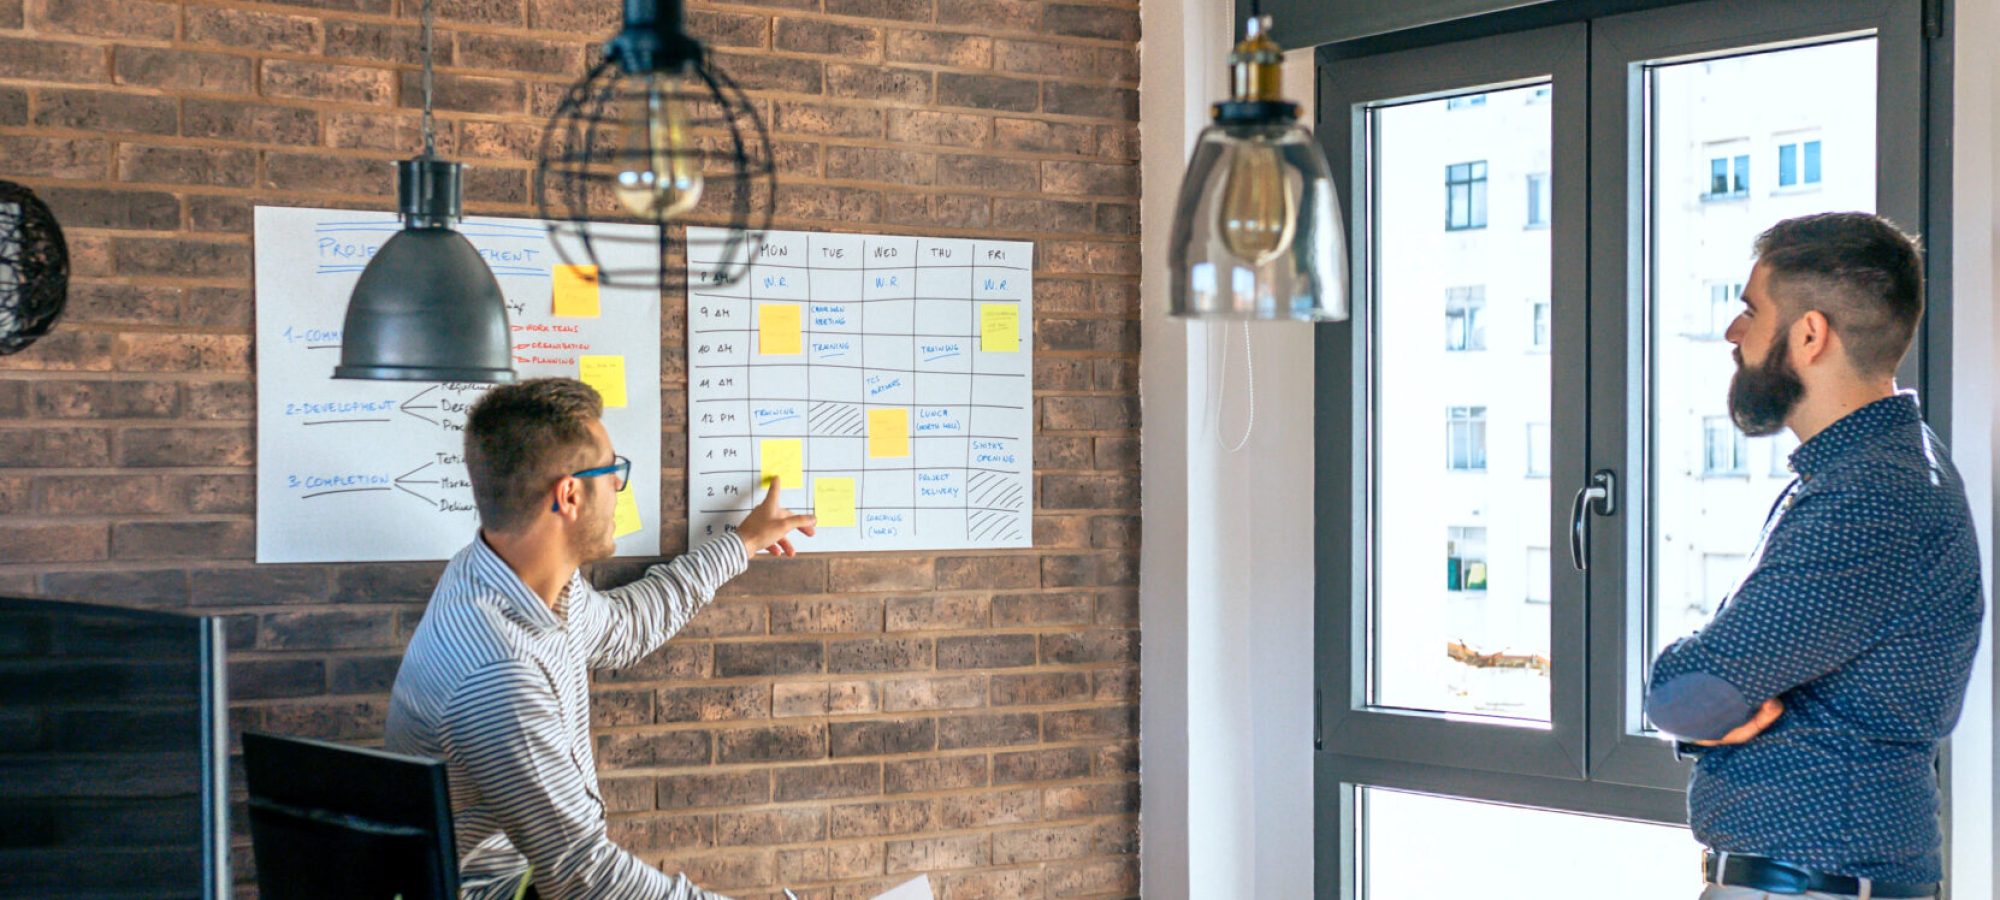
(1856, 430)
(521, 601)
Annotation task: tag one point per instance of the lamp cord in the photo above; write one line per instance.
(1221, 390)
(430, 130)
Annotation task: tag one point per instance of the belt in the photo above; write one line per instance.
(1779, 877)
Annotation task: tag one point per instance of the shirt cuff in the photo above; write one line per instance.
(719, 549)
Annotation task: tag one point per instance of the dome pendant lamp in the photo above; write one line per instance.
(427, 308)
(1257, 233)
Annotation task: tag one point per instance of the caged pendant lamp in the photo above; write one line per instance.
(657, 133)
(427, 308)
(1257, 231)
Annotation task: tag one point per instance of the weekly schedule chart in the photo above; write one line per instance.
(885, 380)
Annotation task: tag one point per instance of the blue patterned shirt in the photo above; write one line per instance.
(1861, 614)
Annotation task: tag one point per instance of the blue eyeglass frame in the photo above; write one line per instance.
(619, 465)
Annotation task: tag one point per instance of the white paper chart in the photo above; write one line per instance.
(886, 380)
(373, 470)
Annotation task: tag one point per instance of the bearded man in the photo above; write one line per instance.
(495, 682)
(1818, 695)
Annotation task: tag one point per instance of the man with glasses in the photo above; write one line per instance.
(1818, 695)
(495, 682)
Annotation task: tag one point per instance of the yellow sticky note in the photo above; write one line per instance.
(625, 516)
(606, 374)
(999, 328)
(833, 502)
(888, 432)
(784, 458)
(575, 291)
(778, 329)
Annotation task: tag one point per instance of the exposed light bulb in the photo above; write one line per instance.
(660, 167)
(1258, 214)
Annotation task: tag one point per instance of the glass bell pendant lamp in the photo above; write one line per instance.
(1257, 233)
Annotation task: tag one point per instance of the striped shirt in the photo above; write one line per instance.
(496, 684)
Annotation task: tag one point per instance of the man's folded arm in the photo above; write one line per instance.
(506, 733)
(1831, 587)
(640, 616)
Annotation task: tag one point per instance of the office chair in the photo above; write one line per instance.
(331, 821)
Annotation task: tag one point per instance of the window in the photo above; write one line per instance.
(1538, 325)
(1465, 438)
(1538, 450)
(1465, 559)
(1798, 163)
(1729, 176)
(1712, 320)
(1465, 196)
(1538, 200)
(1538, 576)
(1724, 450)
(1465, 318)
(1465, 102)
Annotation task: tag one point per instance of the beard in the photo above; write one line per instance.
(592, 538)
(1762, 396)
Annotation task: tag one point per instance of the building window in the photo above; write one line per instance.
(1782, 445)
(1538, 575)
(1538, 324)
(1724, 304)
(1465, 559)
(1724, 450)
(1466, 102)
(1465, 196)
(1538, 200)
(1465, 318)
(1729, 176)
(1540, 95)
(1538, 449)
(1798, 163)
(1465, 438)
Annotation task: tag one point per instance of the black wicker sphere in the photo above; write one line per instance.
(585, 146)
(34, 268)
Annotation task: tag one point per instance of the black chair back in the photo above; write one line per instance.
(332, 821)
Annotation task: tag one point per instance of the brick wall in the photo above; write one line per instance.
(832, 723)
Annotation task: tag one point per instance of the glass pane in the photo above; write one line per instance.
(1457, 485)
(1710, 486)
(1420, 846)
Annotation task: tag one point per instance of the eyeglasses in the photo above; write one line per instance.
(620, 466)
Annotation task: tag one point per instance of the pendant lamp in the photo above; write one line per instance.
(427, 308)
(656, 133)
(1257, 232)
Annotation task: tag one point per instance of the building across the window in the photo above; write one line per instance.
(1538, 200)
(1465, 558)
(1538, 450)
(1465, 438)
(1722, 308)
(1538, 576)
(1798, 163)
(1728, 176)
(1538, 324)
(1465, 196)
(1465, 318)
(1465, 102)
(1724, 450)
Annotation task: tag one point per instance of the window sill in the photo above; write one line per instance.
(1811, 187)
(1725, 476)
(1731, 197)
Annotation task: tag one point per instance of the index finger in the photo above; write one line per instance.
(771, 496)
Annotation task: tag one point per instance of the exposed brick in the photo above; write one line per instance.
(1064, 842)
(795, 783)
(768, 658)
(1105, 22)
(269, 679)
(989, 808)
(323, 81)
(720, 29)
(1077, 178)
(716, 789)
(182, 70)
(1029, 689)
(334, 630)
(986, 651)
(105, 111)
(782, 826)
(826, 616)
(714, 703)
(959, 51)
(46, 542)
(918, 126)
(1081, 724)
(944, 613)
(159, 588)
(183, 353)
(145, 447)
(182, 258)
(932, 854)
(1056, 764)
(991, 15)
(994, 92)
(379, 42)
(249, 122)
(878, 83)
(766, 575)
(467, 93)
(1066, 60)
(771, 73)
(186, 165)
(1095, 877)
(107, 18)
(514, 54)
(1043, 136)
(771, 743)
(944, 692)
(105, 399)
(988, 173)
(879, 655)
(46, 446)
(252, 29)
(1091, 799)
(882, 736)
(667, 748)
(962, 572)
(883, 10)
(1095, 646)
(365, 675)
(880, 164)
(183, 540)
(44, 60)
(13, 106)
(879, 818)
(654, 834)
(834, 39)
(1019, 214)
(824, 698)
(609, 708)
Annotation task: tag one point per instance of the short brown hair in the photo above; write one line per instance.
(520, 438)
(1860, 271)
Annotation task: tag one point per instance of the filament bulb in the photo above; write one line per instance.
(659, 174)
(1258, 212)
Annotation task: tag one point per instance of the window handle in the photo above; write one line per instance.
(1599, 496)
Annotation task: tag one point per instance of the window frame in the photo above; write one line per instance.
(1621, 773)
(1476, 212)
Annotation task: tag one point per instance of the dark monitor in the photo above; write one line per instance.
(114, 753)
(333, 821)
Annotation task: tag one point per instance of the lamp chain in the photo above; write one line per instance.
(430, 130)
